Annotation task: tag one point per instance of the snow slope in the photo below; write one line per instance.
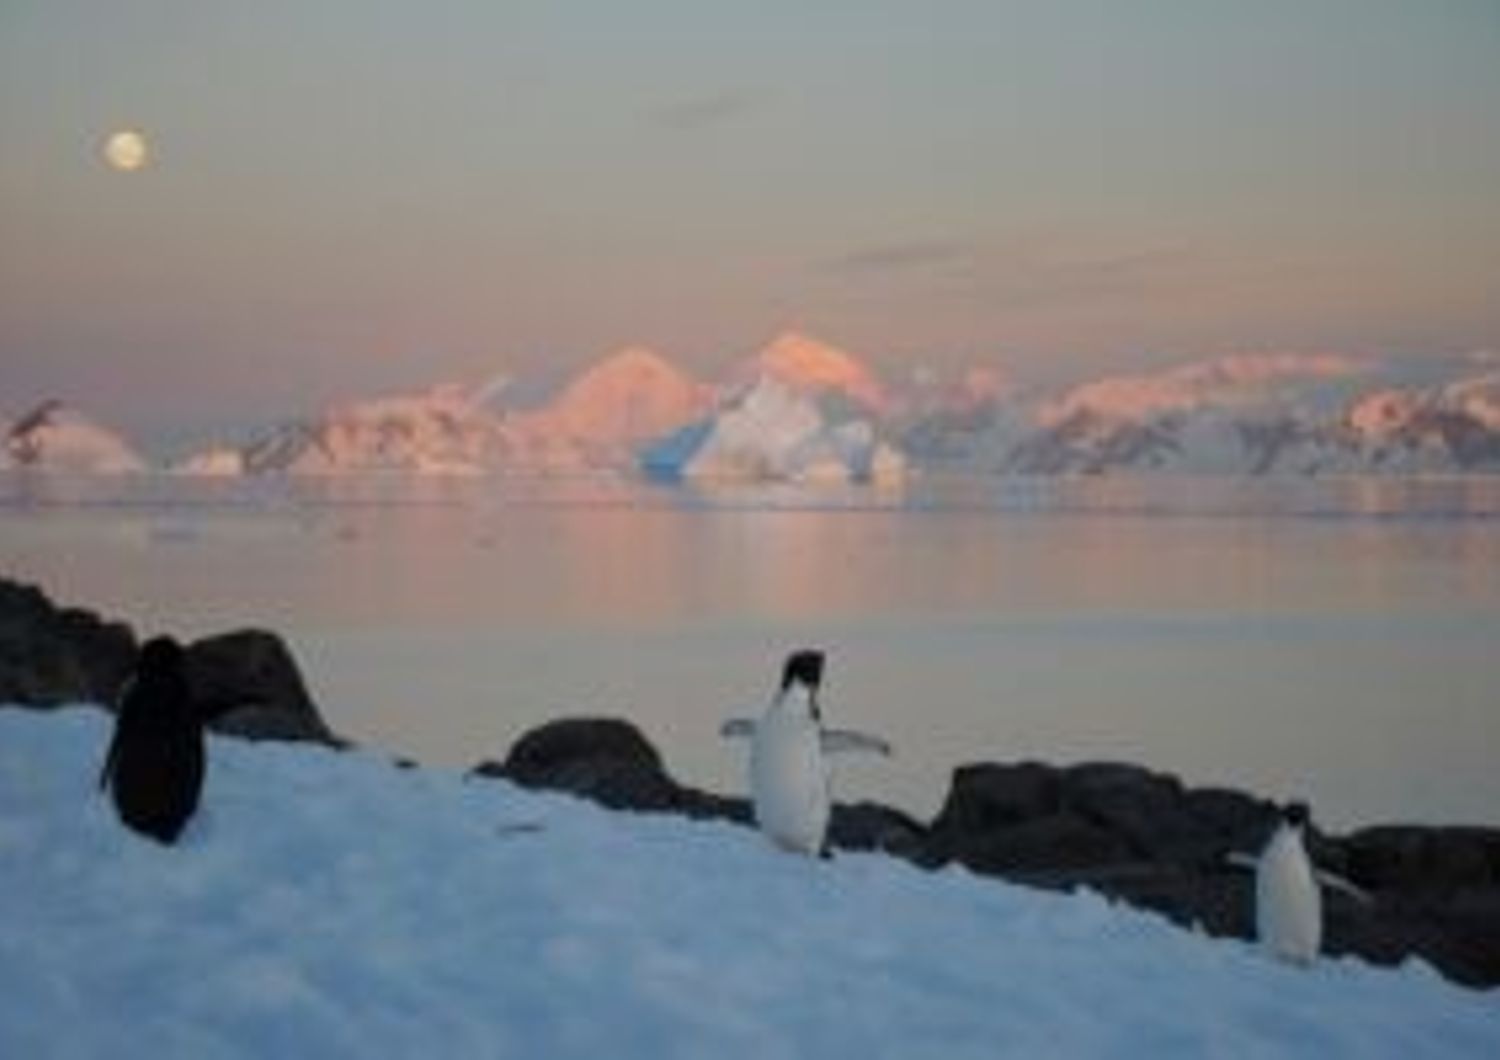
(809, 366)
(596, 422)
(1260, 414)
(54, 437)
(1453, 425)
(1237, 381)
(632, 397)
(328, 904)
(629, 397)
(442, 431)
(961, 422)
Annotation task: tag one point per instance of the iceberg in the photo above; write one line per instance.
(775, 432)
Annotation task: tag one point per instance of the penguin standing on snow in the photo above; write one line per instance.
(1288, 903)
(789, 780)
(154, 768)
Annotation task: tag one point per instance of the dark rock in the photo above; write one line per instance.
(51, 655)
(988, 796)
(1410, 858)
(106, 650)
(539, 754)
(871, 826)
(1058, 841)
(246, 668)
(1144, 809)
(1147, 816)
(244, 684)
(609, 761)
(1237, 820)
(1036, 817)
(1139, 837)
(606, 760)
(267, 723)
(247, 684)
(707, 806)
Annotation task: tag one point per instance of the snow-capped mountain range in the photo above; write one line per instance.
(1284, 414)
(803, 410)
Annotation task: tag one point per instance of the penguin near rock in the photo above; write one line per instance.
(1288, 890)
(789, 778)
(1288, 904)
(155, 764)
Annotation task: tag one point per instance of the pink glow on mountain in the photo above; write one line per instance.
(810, 365)
(1240, 379)
(633, 395)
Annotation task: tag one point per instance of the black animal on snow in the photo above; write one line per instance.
(154, 768)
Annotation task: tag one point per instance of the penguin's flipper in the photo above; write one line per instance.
(1338, 883)
(1241, 860)
(836, 740)
(737, 727)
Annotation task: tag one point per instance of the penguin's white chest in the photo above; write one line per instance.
(1288, 905)
(789, 781)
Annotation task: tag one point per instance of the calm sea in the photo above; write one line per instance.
(1333, 640)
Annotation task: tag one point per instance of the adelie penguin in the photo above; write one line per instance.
(789, 779)
(1288, 891)
(1288, 905)
(155, 764)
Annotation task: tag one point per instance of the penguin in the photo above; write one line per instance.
(789, 779)
(1288, 903)
(155, 764)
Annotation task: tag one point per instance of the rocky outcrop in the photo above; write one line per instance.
(244, 683)
(1136, 835)
(1031, 816)
(247, 684)
(603, 759)
(51, 655)
(609, 761)
(1145, 838)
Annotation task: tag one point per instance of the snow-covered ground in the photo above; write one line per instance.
(328, 904)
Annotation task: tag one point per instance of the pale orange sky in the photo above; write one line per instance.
(349, 197)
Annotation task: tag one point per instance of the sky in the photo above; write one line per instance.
(352, 196)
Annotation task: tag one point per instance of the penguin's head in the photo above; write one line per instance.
(159, 656)
(1295, 814)
(802, 671)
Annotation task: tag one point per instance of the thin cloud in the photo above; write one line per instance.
(702, 112)
(898, 257)
(1026, 272)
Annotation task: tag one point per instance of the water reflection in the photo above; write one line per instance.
(1332, 637)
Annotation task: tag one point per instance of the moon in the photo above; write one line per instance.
(126, 150)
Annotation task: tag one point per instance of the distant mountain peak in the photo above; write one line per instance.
(1236, 380)
(54, 436)
(811, 364)
(632, 395)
